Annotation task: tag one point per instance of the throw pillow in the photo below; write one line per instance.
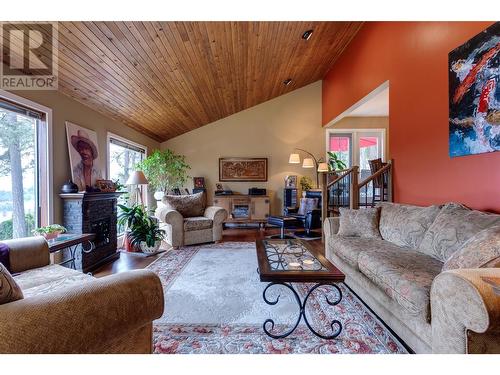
(4, 255)
(453, 226)
(405, 225)
(359, 223)
(187, 205)
(307, 205)
(481, 250)
(9, 290)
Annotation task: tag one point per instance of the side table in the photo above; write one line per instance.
(71, 242)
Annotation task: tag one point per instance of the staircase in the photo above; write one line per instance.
(343, 189)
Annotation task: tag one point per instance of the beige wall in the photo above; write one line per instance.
(271, 129)
(366, 123)
(67, 109)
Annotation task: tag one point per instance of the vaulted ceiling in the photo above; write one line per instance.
(167, 78)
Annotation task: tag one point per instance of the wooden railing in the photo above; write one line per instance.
(338, 189)
(375, 188)
(341, 189)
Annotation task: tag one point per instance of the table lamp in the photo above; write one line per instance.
(138, 179)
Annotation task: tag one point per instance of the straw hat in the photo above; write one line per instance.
(82, 136)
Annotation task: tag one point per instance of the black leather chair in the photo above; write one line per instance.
(310, 219)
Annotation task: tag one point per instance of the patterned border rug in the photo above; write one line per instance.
(213, 305)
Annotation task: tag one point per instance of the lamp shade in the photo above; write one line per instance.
(322, 167)
(137, 178)
(308, 163)
(294, 159)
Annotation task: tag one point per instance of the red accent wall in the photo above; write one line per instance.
(413, 56)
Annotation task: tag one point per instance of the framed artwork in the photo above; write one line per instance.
(474, 94)
(199, 182)
(243, 169)
(219, 187)
(291, 182)
(83, 156)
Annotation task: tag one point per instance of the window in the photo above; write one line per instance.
(123, 156)
(24, 172)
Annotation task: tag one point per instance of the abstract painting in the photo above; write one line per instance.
(474, 94)
(243, 169)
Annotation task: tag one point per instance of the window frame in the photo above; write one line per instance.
(108, 159)
(45, 160)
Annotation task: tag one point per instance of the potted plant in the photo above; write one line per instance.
(129, 217)
(50, 231)
(165, 170)
(147, 235)
(305, 184)
(335, 163)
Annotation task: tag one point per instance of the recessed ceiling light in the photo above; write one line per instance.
(307, 34)
(287, 81)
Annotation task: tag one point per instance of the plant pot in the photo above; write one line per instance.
(150, 249)
(127, 245)
(51, 236)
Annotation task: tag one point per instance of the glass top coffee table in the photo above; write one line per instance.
(283, 262)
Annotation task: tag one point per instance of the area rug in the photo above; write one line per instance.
(214, 304)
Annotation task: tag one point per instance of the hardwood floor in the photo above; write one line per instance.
(132, 261)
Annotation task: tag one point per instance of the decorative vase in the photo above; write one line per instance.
(304, 194)
(127, 245)
(69, 187)
(159, 195)
(150, 249)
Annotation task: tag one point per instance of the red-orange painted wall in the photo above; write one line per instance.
(413, 56)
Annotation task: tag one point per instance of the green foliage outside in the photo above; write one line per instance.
(6, 227)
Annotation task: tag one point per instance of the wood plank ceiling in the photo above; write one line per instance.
(167, 78)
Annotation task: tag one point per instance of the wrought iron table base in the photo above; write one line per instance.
(302, 311)
(72, 251)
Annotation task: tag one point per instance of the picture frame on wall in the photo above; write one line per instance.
(243, 169)
(83, 156)
(474, 108)
(291, 182)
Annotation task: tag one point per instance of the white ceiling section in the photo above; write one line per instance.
(375, 107)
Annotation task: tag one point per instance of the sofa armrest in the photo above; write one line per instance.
(28, 253)
(465, 312)
(215, 213)
(175, 228)
(218, 215)
(82, 319)
(331, 226)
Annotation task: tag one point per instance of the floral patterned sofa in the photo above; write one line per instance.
(423, 273)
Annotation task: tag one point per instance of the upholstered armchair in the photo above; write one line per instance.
(187, 221)
(66, 311)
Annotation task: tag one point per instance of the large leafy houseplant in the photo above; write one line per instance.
(140, 227)
(335, 163)
(165, 170)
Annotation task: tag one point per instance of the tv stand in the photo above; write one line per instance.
(244, 208)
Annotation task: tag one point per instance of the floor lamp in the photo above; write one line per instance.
(137, 179)
(311, 162)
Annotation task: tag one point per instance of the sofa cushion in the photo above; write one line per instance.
(46, 279)
(359, 223)
(405, 276)
(453, 226)
(481, 250)
(197, 223)
(405, 225)
(187, 205)
(349, 248)
(9, 289)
